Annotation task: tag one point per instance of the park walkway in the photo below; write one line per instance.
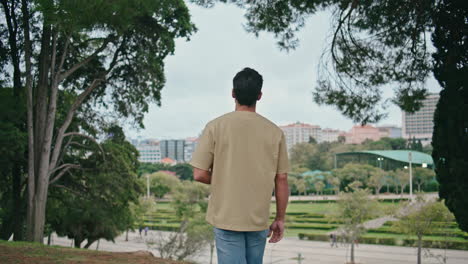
(288, 249)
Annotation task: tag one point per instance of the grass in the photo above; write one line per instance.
(25, 253)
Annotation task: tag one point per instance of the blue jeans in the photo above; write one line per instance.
(234, 247)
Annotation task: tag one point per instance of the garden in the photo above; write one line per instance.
(314, 220)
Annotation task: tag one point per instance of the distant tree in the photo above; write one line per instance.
(422, 176)
(162, 183)
(149, 168)
(301, 186)
(301, 154)
(335, 182)
(312, 140)
(422, 220)
(292, 185)
(341, 139)
(319, 185)
(355, 185)
(377, 179)
(311, 156)
(354, 172)
(419, 145)
(183, 170)
(401, 179)
(354, 208)
(387, 144)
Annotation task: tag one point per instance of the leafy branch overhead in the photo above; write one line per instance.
(373, 47)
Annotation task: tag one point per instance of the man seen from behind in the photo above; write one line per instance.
(243, 156)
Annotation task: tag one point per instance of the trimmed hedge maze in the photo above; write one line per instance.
(311, 221)
(448, 236)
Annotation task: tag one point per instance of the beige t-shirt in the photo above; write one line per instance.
(245, 151)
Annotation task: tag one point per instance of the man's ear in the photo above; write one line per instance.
(259, 96)
(233, 94)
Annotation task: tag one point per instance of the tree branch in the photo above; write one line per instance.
(62, 59)
(68, 119)
(69, 189)
(85, 61)
(66, 167)
(54, 57)
(86, 136)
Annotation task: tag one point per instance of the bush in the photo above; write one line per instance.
(163, 227)
(389, 241)
(431, 243)
(312, 226)
(314, 237)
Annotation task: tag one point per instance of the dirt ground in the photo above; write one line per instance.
(27, 253)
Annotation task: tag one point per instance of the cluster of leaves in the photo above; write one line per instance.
(183, 170)
(190, 205)
(421, 218)
(94, 203)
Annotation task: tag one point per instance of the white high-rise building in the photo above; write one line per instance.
(149, 149)
(420, 124)
(300, 133)
(330, 135)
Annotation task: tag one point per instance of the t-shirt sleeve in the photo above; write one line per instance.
(283, 161)
(202, 158)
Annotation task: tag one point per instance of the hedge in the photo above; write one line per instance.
(311, 226)
(164, 227)
(408, 242)
(436, 224)
(437, 232)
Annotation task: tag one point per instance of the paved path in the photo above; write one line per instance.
(287, 249)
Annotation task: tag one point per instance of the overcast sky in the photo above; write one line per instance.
(199, 76)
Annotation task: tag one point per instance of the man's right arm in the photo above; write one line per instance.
(282, 196)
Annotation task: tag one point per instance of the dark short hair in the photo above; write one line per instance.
(247, 86)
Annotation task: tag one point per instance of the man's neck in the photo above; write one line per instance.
(245, 108)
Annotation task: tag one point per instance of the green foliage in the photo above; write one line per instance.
(354, 208)
(422, 176)
(183, 170)
(96, 203)
(13, 146)
(352, 172)
(423, 218)
(368, 36)
(189, 196)
(162, 183)
(450, 138)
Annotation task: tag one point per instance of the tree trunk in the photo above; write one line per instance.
(30, 123)
(49, 238)
(419, 249)
(78, 241)
(352, 251)
(211, 252)
(89, 243)
(126, 235)
(18, 209)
